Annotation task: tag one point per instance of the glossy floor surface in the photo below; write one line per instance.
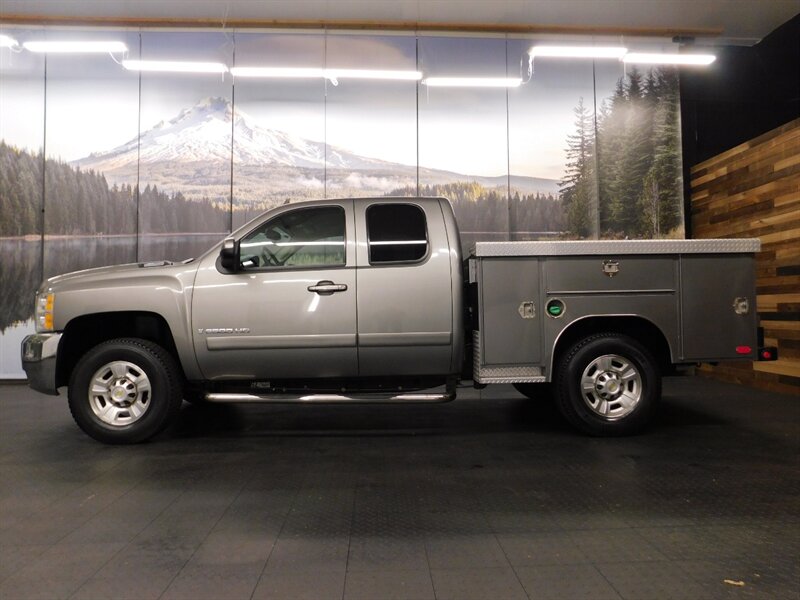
(489, 497)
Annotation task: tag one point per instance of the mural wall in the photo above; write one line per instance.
(100, 164)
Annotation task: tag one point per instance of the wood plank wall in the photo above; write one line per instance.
(753, 190)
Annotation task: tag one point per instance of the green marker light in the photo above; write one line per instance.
(555, 308)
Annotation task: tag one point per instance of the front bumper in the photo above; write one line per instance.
(39, 361)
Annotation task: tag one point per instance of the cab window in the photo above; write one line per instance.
(397, 233)
(302, 238)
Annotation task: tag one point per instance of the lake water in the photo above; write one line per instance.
(24, 263)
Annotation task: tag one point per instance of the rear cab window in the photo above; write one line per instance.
(396, 233)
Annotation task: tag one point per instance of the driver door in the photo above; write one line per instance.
(290, 310)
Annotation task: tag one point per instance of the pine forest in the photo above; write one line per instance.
(626, 181)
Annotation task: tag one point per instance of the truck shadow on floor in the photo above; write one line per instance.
(515, 415)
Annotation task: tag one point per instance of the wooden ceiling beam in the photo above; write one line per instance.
(517, 28)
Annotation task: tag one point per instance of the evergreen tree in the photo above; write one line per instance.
(577, 183)
(82, 203)
(667, 165)
(638, 158)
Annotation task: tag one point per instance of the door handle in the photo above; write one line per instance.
(326, 288)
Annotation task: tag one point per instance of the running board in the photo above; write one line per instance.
(377, 398)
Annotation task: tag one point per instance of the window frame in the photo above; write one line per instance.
(393, 263)
(281, 268)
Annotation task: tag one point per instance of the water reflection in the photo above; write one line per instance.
(21, 267)
(20, 274)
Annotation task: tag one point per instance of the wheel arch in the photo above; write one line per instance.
(637, 327)
(87, 331)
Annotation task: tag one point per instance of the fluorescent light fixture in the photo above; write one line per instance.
(578, 51)
(311, 72)
(6, 41)
(278, 72)
(485, 82)
(669, 59)
(68, 47)
(372, 74)
(174, 66)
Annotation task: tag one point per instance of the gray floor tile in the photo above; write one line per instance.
(659, 581)
(15, 558)
(309, 553)
(386, 553)
(565, 582)
(389, 585)
(58, 572)
(286, 499)
(477, 584)
(615, 545)
(146, 584)
(214, 582)
(520, 521)
(287, 584)
(541, 548)
(125, 518)
(465, 551)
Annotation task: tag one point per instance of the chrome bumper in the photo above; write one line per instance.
(39, 361)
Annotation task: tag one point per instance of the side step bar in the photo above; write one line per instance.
(376, 398)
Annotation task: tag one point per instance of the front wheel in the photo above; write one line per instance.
(608, 384)
(125, 391)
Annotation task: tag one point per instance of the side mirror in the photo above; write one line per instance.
(229, 255)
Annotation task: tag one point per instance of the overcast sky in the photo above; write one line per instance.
(93, 103)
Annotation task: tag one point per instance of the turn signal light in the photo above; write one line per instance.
(44, 312)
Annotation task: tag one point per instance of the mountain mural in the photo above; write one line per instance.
(191, 154)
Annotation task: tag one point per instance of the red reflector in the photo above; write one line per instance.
(743, 349)
(766, 354)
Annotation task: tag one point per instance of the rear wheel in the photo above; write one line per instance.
(608, 384)
(125, 391)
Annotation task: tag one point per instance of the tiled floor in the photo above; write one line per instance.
(488, 497)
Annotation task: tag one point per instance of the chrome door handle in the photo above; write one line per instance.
(326, 288)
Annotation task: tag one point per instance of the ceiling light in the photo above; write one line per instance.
(488, 82)
(7, 41)
(578, 51)
(669, 59)
(277, 72)
(332, 74)
(75, 47)
(174, 66)
(372, 74)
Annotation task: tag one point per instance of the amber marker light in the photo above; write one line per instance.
(44, 312)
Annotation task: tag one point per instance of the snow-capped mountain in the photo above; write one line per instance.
(203, 133)
(191, 154)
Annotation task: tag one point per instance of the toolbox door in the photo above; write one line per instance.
(714, 292)
(511, 312)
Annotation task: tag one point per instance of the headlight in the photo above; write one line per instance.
(44, 312)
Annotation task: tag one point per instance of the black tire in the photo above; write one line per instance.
(608, 389)
(535, 391)
(157, 395)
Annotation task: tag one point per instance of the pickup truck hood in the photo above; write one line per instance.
(130, 271)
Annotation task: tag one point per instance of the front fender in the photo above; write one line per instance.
(165, 291)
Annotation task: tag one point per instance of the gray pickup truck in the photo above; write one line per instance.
(369, 300)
